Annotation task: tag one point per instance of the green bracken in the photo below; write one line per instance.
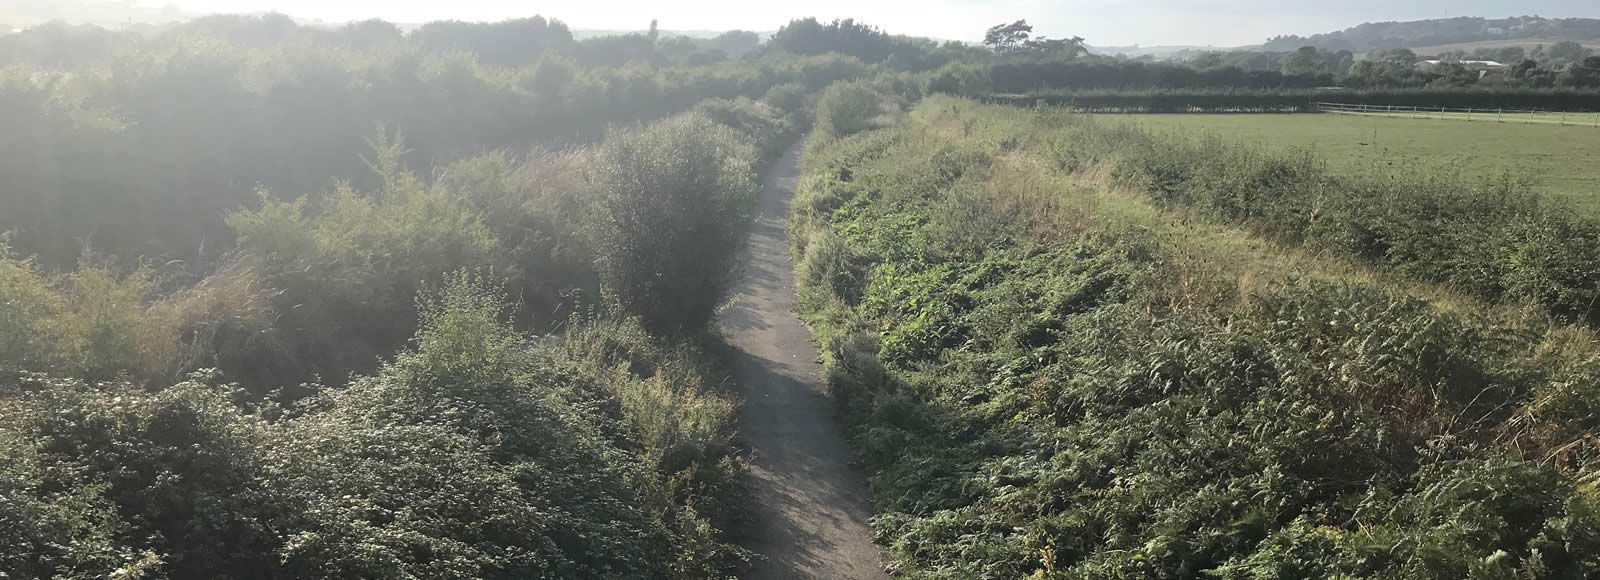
(1052, 371)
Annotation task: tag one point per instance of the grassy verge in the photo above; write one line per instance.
(1049, 375)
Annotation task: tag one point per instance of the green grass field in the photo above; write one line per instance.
(1565, 160)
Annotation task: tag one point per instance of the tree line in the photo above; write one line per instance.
(140, 143)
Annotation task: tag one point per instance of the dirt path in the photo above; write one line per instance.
(813, 505)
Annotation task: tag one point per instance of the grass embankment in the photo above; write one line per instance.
(1564, 161)
(1049, 375)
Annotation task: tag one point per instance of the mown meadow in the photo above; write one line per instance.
(1071, 348)
(1561, 161)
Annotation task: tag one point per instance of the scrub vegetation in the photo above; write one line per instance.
(1066, 348)
(280, 301)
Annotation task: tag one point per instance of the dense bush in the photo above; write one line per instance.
(478, 453)
(100, 322)
(767, 126)
(845, 109)
(352, 267)
(675, 201)
(1049, 381)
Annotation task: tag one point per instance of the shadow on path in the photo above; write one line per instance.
(811, 505)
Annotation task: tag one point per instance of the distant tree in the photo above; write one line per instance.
(1207, 60)
(1509, 54)
(735, 43)
(677, 48)
(551, 75)
(1452, 74)
(1016, 39)
(372, 34)
(511, 42)
(1386, 68)
(1397, 56)
(1300, 62)
(1585, 74)
(1565, 52)
(1058, 47)
(1007, 38)
(616, 50)
(808, 36)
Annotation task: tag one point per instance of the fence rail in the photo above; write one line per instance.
(1527, 117)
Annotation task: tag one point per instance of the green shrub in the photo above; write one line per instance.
(163, 485)
(764, 127)
(788, 97)
(959, 79)
(590, 462)
(349, 269)
(99, 324)
(26, 306)
(830, 271)
(676, 199)
(845, 109)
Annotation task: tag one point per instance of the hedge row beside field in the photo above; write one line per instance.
(1301, 101)
(1497, 239)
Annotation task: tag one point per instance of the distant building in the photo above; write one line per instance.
(1472, 65)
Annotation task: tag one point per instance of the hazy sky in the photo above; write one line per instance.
(1102, 22)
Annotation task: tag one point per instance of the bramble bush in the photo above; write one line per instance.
(478, 452)
(845, 109)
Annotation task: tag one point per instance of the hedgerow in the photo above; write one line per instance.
(1498, 238)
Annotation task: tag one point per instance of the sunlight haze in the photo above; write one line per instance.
(1101, 22)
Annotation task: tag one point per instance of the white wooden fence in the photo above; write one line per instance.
(1445, 113)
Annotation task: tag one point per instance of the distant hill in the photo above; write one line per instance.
(1156, 52)
(583, 33)
(1519, 30)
